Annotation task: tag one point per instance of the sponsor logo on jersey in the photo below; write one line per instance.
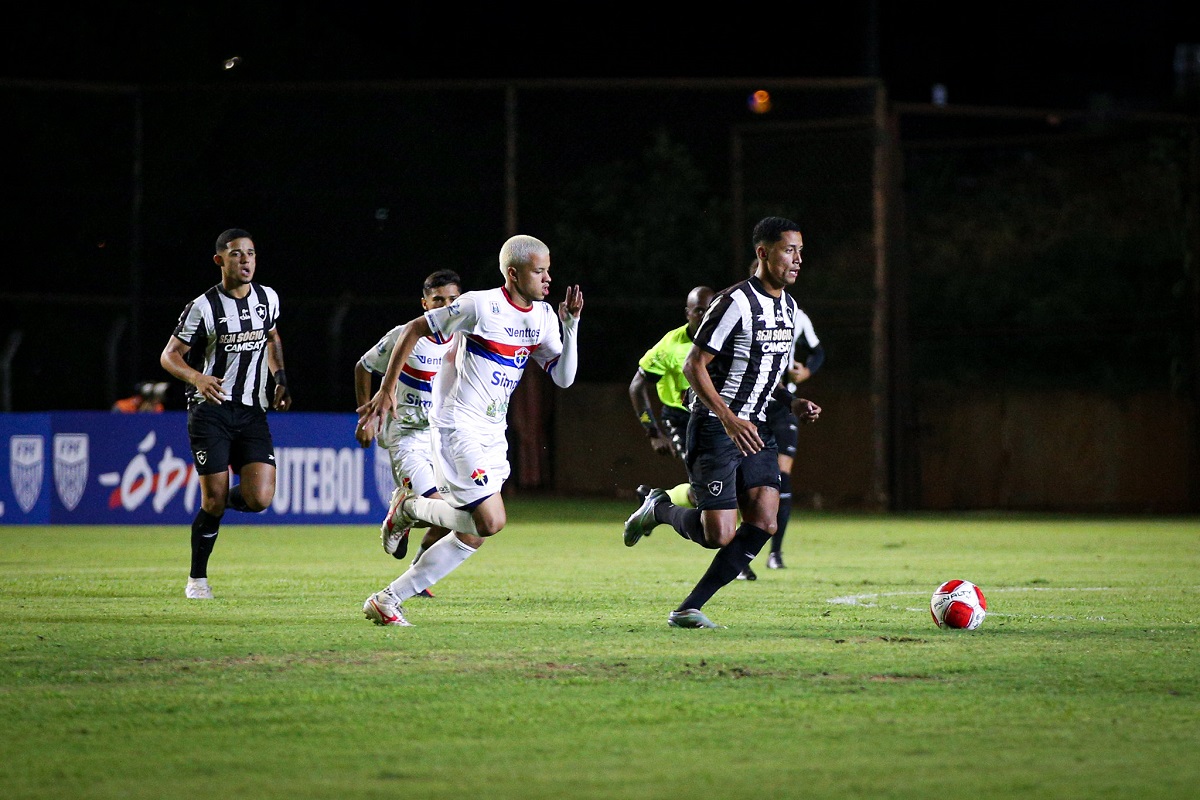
(70, 467)
(495, 307)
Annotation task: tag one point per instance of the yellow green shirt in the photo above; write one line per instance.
(666, 359)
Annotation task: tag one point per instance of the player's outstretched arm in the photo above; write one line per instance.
(375, 411)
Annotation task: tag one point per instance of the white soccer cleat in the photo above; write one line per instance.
(393, 533)
(383, 608)
(198, 589)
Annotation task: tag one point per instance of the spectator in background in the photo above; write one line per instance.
(147, 399)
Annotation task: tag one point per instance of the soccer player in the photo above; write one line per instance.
(406, 436)
(739, 355)
(662, 368)
(227, 348)
(786, 426)
(493, 334)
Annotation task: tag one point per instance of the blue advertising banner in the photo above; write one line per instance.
(103, 468)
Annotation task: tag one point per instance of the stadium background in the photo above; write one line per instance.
(1007, 293)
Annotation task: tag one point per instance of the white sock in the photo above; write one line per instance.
(442, 558)
(437, 511)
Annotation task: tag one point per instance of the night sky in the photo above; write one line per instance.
(1047, 54)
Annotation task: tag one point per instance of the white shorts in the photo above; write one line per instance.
(411, 454)
(470, 465)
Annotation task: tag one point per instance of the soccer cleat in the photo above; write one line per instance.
(747, 574)
(775, 561)
(383, 608)
(690, 618)
(642, 521)
(394, 530)
(198, 589)
(424, 593)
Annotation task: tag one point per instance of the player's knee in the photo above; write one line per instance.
(258, 498)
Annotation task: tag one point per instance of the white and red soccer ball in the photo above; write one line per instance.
(958, 604)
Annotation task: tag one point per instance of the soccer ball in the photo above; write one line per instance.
(958, 604)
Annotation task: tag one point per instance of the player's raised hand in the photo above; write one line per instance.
(572, 306)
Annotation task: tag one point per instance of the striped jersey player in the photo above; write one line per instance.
(742, 349)
(227, 348)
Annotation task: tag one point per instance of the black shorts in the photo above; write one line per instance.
(228, 435)
(674, 425)
(719, 472)
(786, 427)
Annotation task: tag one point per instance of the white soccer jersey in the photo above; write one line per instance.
(228, 340)
(492, 340)
(414, 388)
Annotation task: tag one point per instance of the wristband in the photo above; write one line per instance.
(647, 421)
(280, 378)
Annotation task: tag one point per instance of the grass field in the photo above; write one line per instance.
(544, 667)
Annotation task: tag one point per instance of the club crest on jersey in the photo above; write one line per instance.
(201, 457)
(479, 476)
(260, 311)
(521, 356)
(715, 487)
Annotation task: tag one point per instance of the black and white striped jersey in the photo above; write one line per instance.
(228, 339)
(750, 334)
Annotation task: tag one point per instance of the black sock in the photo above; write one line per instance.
(236, 501)
(729, 561)
(202, 544)
(785, 511)
(685, 521)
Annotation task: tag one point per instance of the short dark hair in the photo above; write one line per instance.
(443, 277)
(228, 236)
(770, 230)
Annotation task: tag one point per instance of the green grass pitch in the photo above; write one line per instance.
(544, 667)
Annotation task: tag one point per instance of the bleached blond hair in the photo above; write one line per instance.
(519, 251)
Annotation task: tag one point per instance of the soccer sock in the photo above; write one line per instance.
(729, 561)
(437, 511)
(235, 500)
(680, 495)
(685, 521)
(442, 558)
(785, 511)
(204, 538)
